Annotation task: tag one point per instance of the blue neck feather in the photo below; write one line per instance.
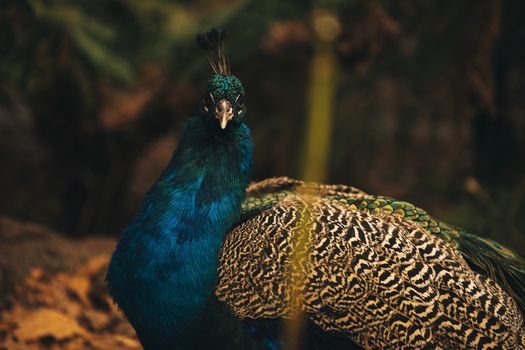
(164, 268)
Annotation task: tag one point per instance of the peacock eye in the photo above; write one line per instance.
(240, 99)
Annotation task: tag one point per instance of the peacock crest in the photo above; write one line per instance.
(213, 43)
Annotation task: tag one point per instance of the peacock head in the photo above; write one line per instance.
(225, 95)
(225, 99)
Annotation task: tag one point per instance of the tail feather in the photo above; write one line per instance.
(496, 261)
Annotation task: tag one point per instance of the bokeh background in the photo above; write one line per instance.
(419, 100)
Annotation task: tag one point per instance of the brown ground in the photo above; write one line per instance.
(52, 292)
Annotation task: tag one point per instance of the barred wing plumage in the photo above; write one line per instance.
(382, 280)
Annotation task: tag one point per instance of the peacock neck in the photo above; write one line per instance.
(176, 238)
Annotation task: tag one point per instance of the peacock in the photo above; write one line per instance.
(214, 261)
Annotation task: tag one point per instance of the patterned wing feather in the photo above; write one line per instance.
(265, 194)
(384, 280)
(483, 255)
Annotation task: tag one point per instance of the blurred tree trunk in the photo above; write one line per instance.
(322, 87)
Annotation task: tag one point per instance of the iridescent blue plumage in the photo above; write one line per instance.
(163, 271)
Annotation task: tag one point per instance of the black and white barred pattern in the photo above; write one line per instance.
(383, 281)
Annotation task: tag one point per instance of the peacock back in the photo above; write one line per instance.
(377, 270)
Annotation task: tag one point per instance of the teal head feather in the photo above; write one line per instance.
(225, 99)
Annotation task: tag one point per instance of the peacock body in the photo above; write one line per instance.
(210, 262)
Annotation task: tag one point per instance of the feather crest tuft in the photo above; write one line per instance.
(213, 43)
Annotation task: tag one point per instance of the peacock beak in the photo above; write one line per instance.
(223, 112)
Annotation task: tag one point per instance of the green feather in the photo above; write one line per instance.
(493, 260)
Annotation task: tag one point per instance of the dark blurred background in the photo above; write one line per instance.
(419, 100)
